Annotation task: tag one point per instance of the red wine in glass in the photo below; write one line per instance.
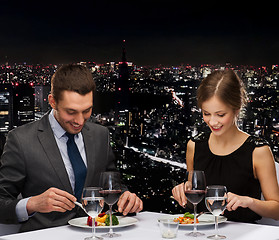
(195, 196)
(194, 191)
(110, 196)
(111, 191)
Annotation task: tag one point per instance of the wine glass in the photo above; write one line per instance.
(195, 190)
(111, 191)
(216, 202)
(92, 203)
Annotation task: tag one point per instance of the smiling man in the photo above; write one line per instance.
(50, 160)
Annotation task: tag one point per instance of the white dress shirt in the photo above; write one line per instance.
(61, 140)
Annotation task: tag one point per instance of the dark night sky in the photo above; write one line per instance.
(156, 32)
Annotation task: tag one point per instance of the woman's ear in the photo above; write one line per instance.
(236, 113)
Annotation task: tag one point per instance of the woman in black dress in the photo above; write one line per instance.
(229, 156)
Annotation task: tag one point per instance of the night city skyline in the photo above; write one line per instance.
(149, 138)
(170, 47)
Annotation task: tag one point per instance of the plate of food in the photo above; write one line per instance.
(203, 220)
(102, 221)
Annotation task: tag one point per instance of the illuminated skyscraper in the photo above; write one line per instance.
(41, 98)
(23, 102)
(6, 107)
(122, 83)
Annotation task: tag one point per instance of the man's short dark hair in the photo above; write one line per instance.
(72, 77)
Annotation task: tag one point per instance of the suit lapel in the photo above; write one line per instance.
(90, 153)
(48, 142)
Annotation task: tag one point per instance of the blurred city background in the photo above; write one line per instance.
(151, 113)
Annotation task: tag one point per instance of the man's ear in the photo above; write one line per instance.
(52, 101)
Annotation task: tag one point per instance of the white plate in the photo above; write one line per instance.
(204, 220)
(123, 222)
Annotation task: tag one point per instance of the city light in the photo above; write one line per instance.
(151, 113)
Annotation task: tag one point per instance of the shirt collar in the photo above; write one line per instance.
(58, 131)
(55, 126)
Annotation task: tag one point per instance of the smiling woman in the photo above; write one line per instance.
(217, 115)
(229, 156)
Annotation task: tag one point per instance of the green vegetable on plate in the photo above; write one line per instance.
(114, 220)
(187, 214)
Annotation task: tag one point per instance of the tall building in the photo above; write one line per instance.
(6, 108)
(16, 105)
(41, 98)
(23, 102)
(122, 83)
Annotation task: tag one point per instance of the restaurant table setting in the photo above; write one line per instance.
(151, 225)
(145, 225)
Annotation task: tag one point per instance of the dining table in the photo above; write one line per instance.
(147, 227)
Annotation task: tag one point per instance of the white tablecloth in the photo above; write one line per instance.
(147, 228)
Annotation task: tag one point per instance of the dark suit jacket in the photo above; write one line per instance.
(31, 163)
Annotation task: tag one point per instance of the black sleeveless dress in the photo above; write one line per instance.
(235, 171)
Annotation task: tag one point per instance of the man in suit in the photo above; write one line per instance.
(36, 162)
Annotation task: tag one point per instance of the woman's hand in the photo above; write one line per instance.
(235, 201)
(178, 193)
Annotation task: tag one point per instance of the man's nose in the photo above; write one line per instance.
(79, 119)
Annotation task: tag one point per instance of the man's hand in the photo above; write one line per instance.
(51, 200)
(129, 203)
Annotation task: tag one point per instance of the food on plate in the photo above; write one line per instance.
(89, 221)
(114, 220)
(103, 220)
(187, 214)
(188, 218)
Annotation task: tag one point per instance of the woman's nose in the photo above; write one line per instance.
(213, 121)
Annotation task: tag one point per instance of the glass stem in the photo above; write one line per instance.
(216, 226)
(93, 228)
(195, 218)
(110, 219)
